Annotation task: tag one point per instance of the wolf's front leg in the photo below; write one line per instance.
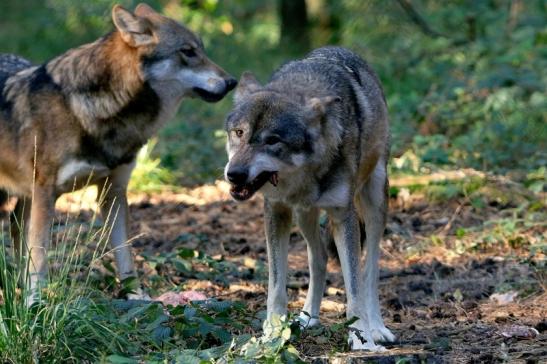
(308, 222)
(19, 220)
(347, 239)
(115, 212)
(278, 221)
(41, 216)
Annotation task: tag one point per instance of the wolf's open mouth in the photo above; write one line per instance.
(246, 191)
(208, 96)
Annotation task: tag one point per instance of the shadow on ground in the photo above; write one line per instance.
(443, 263)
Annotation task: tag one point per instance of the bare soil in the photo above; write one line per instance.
(436, 282)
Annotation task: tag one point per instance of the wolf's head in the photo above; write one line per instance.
(271, 136)
(173, 59)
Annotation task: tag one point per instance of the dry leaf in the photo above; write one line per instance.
(180, 298)
(504, 298)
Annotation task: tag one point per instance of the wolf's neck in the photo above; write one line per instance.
(99, 79)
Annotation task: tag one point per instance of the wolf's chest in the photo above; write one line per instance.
(77, 173)
(309, 194)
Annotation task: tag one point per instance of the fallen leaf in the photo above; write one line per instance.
(519, 332)
(180, 298)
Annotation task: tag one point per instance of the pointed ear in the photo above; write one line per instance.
(318, 106)
(144, 10)
(135, 31)
(247, 85)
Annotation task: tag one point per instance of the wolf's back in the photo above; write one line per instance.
(10, 64)
(351, 61)
(339, 55)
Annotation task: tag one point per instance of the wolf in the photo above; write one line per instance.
(80, 119)
(316, 138)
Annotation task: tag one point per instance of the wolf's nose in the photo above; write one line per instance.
(230, 84)
(237, 176)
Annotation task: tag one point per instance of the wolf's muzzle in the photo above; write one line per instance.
(231, 83)
(242, 189)
(237, 176)
(214, 96)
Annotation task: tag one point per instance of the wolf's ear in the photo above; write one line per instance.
(135, 31)
(318, 106)
(247, 84)
(144, 10)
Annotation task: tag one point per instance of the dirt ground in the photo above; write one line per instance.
(438, 295)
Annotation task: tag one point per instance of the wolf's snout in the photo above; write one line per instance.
(215, 88)
(237, 176)
(231, 83)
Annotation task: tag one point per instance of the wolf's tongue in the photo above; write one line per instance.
(274, 179)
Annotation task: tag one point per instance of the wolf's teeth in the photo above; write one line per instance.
(274, 179)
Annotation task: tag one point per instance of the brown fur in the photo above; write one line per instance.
(82, 117)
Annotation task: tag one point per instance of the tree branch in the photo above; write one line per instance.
(418, 19)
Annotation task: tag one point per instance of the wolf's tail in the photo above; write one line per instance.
(326, 231)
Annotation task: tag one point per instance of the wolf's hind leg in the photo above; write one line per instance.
(308, 222)
(346, 236)
(372, 200)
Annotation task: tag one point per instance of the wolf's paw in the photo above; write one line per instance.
(356, 342)
(381, 333)
(305, 320)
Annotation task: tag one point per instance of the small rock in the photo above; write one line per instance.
(504, 298)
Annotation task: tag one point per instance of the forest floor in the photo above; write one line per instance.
(462, 270)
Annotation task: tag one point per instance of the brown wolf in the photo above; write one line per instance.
(81, 118)
(318, 132)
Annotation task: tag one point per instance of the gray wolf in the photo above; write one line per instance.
(81, 118)
(316, 137)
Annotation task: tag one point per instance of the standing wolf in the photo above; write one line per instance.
(81, 118)
(319, 134)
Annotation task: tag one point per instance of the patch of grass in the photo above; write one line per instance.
(74, 322)
(62, 325)
(149, 175)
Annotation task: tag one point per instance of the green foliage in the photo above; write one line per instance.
(74, 322)
(149, 175)
(62, 326)
(475, 94)
(273, 346)
(190, 263)
(471, 94)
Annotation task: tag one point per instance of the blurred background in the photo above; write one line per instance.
(465, 80)
(464, 267)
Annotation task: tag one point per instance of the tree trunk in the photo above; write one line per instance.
(294, 25)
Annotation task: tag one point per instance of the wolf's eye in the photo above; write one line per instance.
(239, 133)
(272, 140)
(188, 52)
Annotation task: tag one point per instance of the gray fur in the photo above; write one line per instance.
(319, 133)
